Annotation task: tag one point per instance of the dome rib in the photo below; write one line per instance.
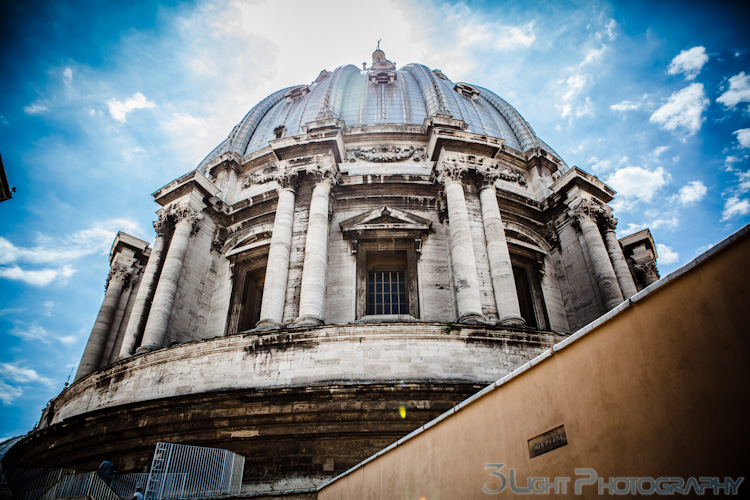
(433, 96)
(250, 122)
(522, 130)
(332, 101)
(348, 95)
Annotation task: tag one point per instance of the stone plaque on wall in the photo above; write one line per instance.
(548, 441)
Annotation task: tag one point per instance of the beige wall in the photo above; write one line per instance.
(661, 389)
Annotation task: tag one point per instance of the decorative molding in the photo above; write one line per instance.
(296, 92)
(385, 153)
(467, 91)
(439, 74)
(220, 238)
(551, 236)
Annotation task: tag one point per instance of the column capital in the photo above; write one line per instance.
(648, 268)
(285, 178)
(328, 174)
(607, 222)
(119, 273)
(487, 177)
(161, 225)
(587, 210)
(450, 171)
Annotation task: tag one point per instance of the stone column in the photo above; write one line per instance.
(462, 249)
(586, 214)
(92, 355)
(649, 270)
(277, 268)
(313, 289)
(624, 278)
(161, 308)
(145, 293)
(501, 270)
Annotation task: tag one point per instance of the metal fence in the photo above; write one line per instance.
(31, 484)
(184, 471)
(125, 484)
(80, 485)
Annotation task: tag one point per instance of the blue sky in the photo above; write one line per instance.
(102, 103)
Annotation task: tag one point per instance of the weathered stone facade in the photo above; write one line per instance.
(378, 238)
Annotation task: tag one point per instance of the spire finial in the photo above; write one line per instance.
(379, 40)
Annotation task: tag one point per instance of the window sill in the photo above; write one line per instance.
(388, 318)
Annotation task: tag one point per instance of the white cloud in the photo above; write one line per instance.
(669, 221)
(39, 277)
(659, 150)
(625, 106)
(644, 103)
(119, 110)
(735, 206)
(574, 85)
(636, 184)
(512, 37)
(684, 109)
(47, 305)
(67, 77)
(739, 91)
(743, 137)
(692, 192)
(666, 254)
(96, 239)
(743, 185)
(689, 62)
(23, 375)
(8, 393)
(59, 252)
(35, 108)
(30, 332)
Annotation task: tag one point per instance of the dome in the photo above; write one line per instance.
(379, 95)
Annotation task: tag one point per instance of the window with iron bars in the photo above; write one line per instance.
(386, 292)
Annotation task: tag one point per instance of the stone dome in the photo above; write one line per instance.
(379, 95)
(379, 240)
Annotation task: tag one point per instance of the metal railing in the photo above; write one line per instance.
(184, 471)
(31, 484)
(79, 485)
(125, 484)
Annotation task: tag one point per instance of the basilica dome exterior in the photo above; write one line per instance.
(358, 256)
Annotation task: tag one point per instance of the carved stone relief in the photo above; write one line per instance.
(385, 153)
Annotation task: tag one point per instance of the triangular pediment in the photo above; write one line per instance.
(386, 221)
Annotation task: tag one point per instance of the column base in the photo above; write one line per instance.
(267, 324)
(473, 318)
(512, 321)
(121, 357)
(146, 348)
(308, 321)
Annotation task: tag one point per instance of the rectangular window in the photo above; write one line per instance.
(249, 275)
(386, 292)
(387, 279)
(529, 290)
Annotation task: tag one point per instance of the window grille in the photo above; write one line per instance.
(386, 292)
